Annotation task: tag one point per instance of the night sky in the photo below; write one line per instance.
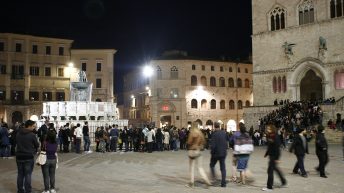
(138, 29)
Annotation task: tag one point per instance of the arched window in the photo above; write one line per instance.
(212, 81)
(204, 104)
(174, 72)
(222, 82)
(306, 12)
(247, 103)
(230, 82)
(194, 104)
(247, 83)
(203, 81)
(159, 73)
(222, 104)
(239, 104)
(193, 80)
(231, 104)
(339, 79)
(279, 84)
(230, 69)
(274, 84)
(193, 67)
(239, 82)
(213, 104)
(277, 19)
(336, 8)
(284, 84)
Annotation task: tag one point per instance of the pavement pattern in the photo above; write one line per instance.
(167, 172)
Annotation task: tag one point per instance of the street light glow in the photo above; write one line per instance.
(70, 64)
(147, 71)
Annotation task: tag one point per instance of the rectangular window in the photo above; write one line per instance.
(221, 68)
(47, 96)
(2, 95)
(238, 70)
(17, 97)
(2, 46)
(159, 92)
(34, 70)
(177, 118)
(60, 96)
(48, 50)
(34, 49)
(18, 72)
(60, 72)
(98, 83)
(99, 66)
(34, 96)
(47, 71)
(18, 47)
(2, 69)
(61, 51)
(83, 66)
(174, 93)
(212, 68)
(203, 67)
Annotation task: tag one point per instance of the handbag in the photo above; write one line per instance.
(193, 154)
(42, 158)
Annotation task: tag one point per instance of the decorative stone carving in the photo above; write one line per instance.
(288, 50)
(322, 47)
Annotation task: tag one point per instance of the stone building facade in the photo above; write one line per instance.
(297, 45)
(181, 91)
(36, 69)
(298, 50)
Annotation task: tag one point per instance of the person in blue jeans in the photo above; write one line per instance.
(48, 169)
(219, 152)
(27, 145)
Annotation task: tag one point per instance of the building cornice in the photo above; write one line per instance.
(93, 51)
(40, 38)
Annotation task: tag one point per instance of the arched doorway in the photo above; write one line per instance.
(17, 117)
(311, 87)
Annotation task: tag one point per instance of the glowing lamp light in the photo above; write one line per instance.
(70, 64)
(34, 118)
(147, 71)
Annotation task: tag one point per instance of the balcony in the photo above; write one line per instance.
(17, 76)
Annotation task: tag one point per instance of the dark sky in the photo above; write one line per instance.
(138, 29)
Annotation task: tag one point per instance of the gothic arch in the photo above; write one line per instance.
(299, 71)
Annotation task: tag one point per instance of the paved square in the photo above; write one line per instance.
(168, 172)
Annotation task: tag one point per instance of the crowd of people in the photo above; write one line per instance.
(293, 121)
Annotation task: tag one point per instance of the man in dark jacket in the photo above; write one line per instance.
(300, 148)
(219, 152)
(321, 148)
(42, 133)
(27, 146)
(274, 153)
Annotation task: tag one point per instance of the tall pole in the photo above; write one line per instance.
(237, 90)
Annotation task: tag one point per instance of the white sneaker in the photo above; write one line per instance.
(267, 189)
(52, 191)
(45, 191)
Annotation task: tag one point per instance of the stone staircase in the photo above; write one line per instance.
(333, 136)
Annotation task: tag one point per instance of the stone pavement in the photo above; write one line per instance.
(168, 172)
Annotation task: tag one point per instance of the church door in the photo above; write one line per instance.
(311, 87)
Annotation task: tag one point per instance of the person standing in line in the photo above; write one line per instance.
(5, 150)
(274, 153)
(27, 146)
(218, 152)
(300, 148)
(85, 133)
(166, 140)
(196, 143)
(48, 169)
(78, 136)
(42, 132)
(321, 150)
(114, 138)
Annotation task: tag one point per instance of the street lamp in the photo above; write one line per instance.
(147, 71)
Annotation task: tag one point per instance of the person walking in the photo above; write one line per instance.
(5, 150)
(48, 169)
(300, 148)
(218, 152)
(321, 150)
(27, 145)
(274, 153)
(196, 143)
